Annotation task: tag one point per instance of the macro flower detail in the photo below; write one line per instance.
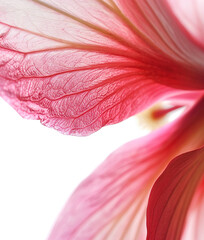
(115, 196)
(78, 66)
(64, 65)
(172, 195)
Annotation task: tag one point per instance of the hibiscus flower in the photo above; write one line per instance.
(80, 65)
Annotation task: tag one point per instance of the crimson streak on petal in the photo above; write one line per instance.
(172, 194)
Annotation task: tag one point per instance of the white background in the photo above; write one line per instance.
(40, 168)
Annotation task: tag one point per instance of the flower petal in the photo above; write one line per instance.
(190, 14)
(111, 203)
(77, 66)
(195, 217)
(172, 194)
(166, 33)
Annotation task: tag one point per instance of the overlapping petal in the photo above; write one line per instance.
(172, 195)
(190, 15)
(111, 203)
(195, 216)
(159, 27)
(77, 66)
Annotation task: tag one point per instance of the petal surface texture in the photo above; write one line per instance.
(80, 66)
(172, 195)
(190, 14)
(195, 216)
(112, 202)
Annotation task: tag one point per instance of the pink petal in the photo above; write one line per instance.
(111, 203)
(195, 216)
(190, 15)
(156, 21)
(80, 66)
(172, 194)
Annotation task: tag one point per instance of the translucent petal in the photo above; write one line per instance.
(111, 203)
(190, 15)
(80, 66)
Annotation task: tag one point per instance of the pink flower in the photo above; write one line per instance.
(80, 65)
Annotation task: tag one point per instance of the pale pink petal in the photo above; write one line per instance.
(156, 21)
(172, 195)
(80, 66)
(111, 203)
(190, 15)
